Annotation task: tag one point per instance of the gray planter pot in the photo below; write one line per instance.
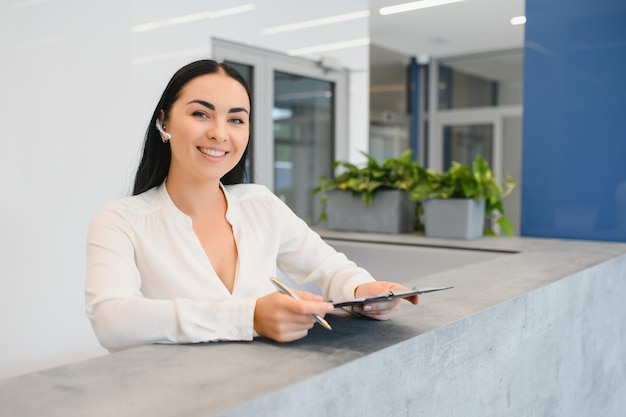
(455, 218)
(390, 212)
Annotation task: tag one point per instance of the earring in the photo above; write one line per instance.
(164, 135)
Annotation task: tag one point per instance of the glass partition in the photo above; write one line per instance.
(303, 139)
(462, 143)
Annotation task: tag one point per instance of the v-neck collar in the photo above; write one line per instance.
(179, 215)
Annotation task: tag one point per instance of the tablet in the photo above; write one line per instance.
(386, 297)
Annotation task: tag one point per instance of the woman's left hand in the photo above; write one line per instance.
(383, 310)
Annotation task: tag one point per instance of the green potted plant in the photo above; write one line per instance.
(472, 190)
(373, 198)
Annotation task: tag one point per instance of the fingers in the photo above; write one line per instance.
(379, 311)
(285, 319)
(382, 287)
(376, 288)
(394, 286)
(382, 310)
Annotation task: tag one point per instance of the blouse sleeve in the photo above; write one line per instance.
(122, 317)
(304, 257)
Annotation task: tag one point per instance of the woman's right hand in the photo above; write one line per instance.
(284, 319)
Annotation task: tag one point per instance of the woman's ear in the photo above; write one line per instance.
(161, 128)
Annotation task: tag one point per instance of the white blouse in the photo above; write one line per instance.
(150, 281)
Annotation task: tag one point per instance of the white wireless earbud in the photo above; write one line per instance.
(166, 136)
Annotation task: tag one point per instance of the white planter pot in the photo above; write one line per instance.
(391, 211)
(455, 218)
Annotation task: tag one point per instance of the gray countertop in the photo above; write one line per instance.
(233, 378)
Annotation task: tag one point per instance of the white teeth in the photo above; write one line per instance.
(211, 152)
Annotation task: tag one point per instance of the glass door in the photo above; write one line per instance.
(303, 138)
(462, 143)
(460, 135)
(299, 122)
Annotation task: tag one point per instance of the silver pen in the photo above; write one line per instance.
(285, 290)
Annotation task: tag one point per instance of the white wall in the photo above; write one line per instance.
(76, 91)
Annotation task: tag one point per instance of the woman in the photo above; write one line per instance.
(187, 258)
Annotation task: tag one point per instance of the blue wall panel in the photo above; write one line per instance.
(574, 146)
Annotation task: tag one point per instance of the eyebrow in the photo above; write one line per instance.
(212, 107)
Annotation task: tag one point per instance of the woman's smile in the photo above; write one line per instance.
(212, 152)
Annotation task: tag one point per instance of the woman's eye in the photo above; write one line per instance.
(237, 121)
(200, 114)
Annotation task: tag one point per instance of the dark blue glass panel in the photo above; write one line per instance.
(574, 146)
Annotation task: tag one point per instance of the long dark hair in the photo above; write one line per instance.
(155, 161)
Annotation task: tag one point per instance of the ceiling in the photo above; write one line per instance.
(474, 36)
(473, 29)
(466, 27)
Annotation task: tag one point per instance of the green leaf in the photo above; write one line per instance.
(505, 225)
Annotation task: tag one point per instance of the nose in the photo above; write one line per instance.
(217, 130)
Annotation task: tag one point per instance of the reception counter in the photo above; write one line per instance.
(532, 327)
